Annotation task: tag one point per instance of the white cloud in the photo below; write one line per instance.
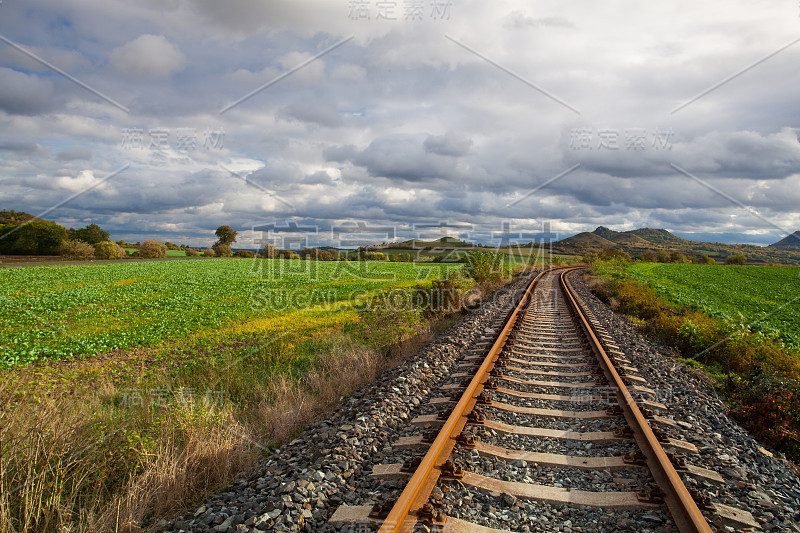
(147, 56)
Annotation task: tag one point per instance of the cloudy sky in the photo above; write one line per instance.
(167, 118)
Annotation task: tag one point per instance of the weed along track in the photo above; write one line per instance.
(549, 411)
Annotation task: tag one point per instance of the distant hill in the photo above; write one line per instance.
(658, 236)
(648, 240)
(790, 242)
(624, 238)
(586, 239)
(633, 240)
(606, 233)
(443, 242)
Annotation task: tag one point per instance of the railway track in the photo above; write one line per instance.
(547, 411)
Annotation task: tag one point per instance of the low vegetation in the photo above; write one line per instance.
(135, 389)
(109, 250)
(77, 251)
(738, 323)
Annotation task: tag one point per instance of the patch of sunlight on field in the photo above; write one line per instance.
(302, 321)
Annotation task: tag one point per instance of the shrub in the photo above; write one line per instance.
(109, 250)
(484, 266)
(208, 252)
(288, 254)
(247, 254)
(191, 252)
(77, 250)
(736, 259)
(153, 250)
(222, 250)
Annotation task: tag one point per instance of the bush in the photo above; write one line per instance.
(208, 252)
(109, 250)
(737, 259)
(77, 250)
(247, 254)
(191, 252)
(288, 254)
(484, 266)
(153, 250)
(222, 250)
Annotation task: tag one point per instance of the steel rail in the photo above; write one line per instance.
(403, 517)
(680, 503)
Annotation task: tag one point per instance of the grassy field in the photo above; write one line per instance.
(79, 311)
(767, 299)
(133, 390)
(739, 324)
(170, 253)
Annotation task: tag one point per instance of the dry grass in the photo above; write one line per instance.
(86, 462)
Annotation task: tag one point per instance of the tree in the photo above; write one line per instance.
(77, 250)
(269, 252)
(226, 235)
(91, 234)
(153, 250)
(222, 250)
(40, 237)
(109, 250)
(247, 254)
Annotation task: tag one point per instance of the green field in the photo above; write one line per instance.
(78, 311)
(170, 253)
(765, 298)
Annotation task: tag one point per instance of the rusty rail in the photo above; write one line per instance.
(680, 503)
(403, 517)
(404, 514)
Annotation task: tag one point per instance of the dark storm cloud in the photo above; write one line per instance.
(450, 143)
(25, 94)
(399, 124)
(24, 148)
(401, 157)
(322, 113)
(340, 154)
(75, 154)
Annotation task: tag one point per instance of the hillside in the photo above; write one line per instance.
(658, 236)
(633, 240)
(587, 240)
(413, 244)
(790, 242)
(648, 240)
(14, 217)
(606, 233)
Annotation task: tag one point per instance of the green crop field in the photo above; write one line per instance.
(78, 311)
(765, 298)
